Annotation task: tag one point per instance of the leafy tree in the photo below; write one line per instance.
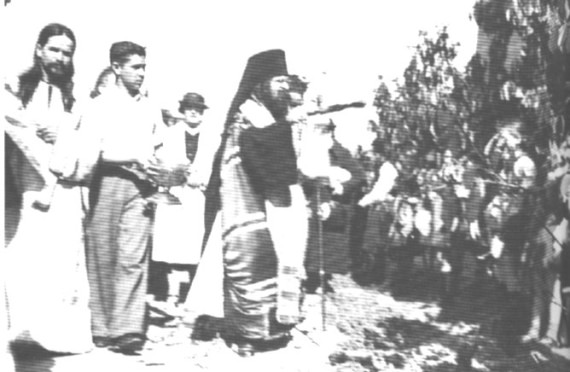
(425, 111)
(525, 68)
(521, 67)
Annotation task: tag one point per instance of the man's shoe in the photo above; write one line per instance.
(311, 284)
(206, 328)
(162, 308)
(244, 349)
(328, 287)
(102, 342)
(129, 344)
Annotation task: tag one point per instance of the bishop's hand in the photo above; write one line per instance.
(324, 211)
(47, 134)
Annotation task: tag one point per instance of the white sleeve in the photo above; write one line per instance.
(8, 100)
(11, 107)
(524, 167)
(19, 127)
(210, 141)
(160, 129)
(92, 124)
(385, 183)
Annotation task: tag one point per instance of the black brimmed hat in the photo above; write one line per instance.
(192, 100)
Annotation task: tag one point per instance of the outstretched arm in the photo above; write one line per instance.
(385, 183)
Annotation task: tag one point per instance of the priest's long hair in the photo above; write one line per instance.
(29, 80)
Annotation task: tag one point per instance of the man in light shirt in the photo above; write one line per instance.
(373, 255)
(524, 168)
(127, 128)
(386, 180)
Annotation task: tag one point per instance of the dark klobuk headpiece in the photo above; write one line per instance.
(260, 67)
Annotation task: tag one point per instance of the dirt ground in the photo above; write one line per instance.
(367, 329)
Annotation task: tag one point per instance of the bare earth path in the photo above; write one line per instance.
(367, 330)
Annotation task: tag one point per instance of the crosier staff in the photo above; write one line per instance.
(320, 182)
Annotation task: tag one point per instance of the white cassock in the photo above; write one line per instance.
(46, 278)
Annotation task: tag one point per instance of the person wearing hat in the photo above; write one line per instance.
(192, 107)
(559, 296)
(183, 135)
(524, 167)
(259, 207)
(176, 248)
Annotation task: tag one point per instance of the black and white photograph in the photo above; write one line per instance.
(289, 186)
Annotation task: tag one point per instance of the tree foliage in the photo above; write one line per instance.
(520, 69)
(426, 111)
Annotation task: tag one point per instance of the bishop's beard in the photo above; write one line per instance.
(277, 102)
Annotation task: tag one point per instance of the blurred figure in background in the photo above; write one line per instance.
(403, 236)
(562, 333)
(179, 227)
(379, 202)
(454, 225)
(368, 160)
(524, 167)
(341, 178)
(6, 359)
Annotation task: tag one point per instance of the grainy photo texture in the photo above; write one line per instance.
(285, 186)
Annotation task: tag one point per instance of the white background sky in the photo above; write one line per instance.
(203, 45)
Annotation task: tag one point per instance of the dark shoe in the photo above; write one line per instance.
(102, 342)
(328, 287)
(311, 284)
(276, 343)
(206, 328)
(245, 349)
(129, 344)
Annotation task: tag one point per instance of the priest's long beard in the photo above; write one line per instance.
(277, 103)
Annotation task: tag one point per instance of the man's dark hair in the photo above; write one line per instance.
(122, 50)
(29, 80)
